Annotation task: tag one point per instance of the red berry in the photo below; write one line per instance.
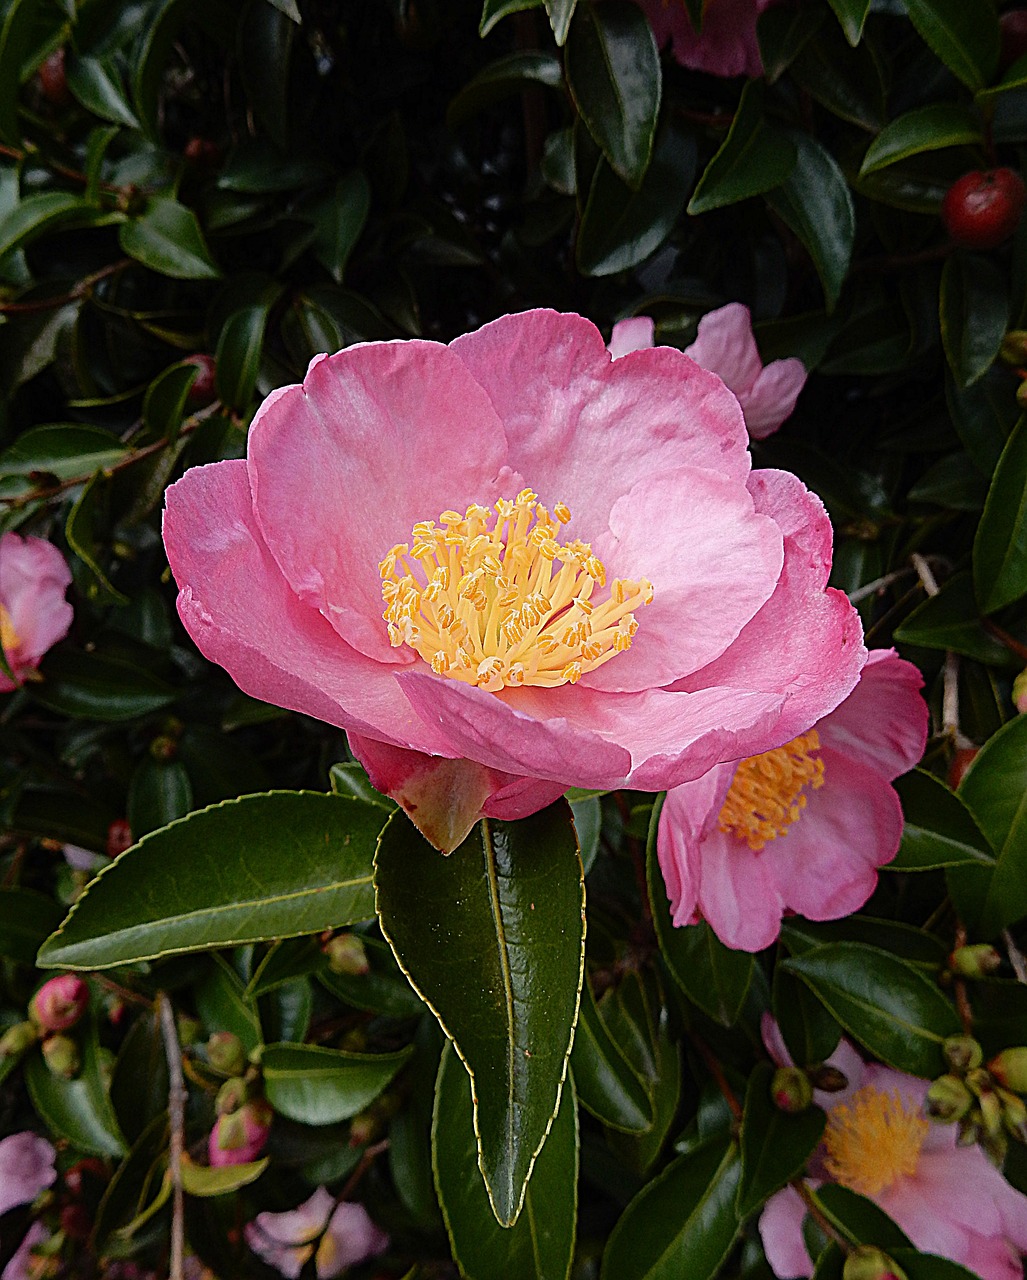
(53, 80)
(202, 152)
(202, 391)
(980, 210)
(1013, 28)
(962, 759)
(119, 837)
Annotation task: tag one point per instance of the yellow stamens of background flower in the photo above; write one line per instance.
(494, 600)
(873, 1140)
(768, 792)
(9, 638)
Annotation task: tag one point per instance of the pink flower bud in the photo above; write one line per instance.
(791, 1090)
(239, 1137)
(59, 1003)
(346, 954)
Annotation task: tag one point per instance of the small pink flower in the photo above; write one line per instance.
(26, 1168)
(33, 611)
(948, 1199)
(24, 1265)
(286, 1240)
(727, 45)
(803, 827)
(60, 1002)
(725, 345)
(479, 561)
(241, 1135)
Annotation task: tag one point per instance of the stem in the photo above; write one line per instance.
(83, 287)
(950, 679)
(176, 1115)
(814, 1210)
(1011, 643)
(716, 1071)
(966, 1016)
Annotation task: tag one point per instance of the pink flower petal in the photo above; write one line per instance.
(352, 1236)
(23, 1266)
(781, 1233)
(283, 1240)
(26, 1168)
(772, 397)
(634, 334)
(884, 721)
(738, 893)
(686, 814)
(725, 345)
(33, 579)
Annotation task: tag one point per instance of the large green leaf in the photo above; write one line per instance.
(494, 10)
(613, 72)
(607, 1084)
(492, 937)
(323, 1086)
(540, 1245)
(943, 124)
(951, 620)
(963, 33)
(78, 1110)
(753, 158)
(774, 1145)
(166, 237)
(94, 686)
(852, 14)
(26, 917)
(65, 450)
(1000, 547)
(682, 1223)
(150, 64)
(939, 831)
(238, 355)
(263, 866)
(974, 307)
(504, 76)
(886, 1004)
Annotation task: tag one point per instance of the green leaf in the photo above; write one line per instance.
(906, 941)
(852, 14)
(943, 124)
(383, 989)
(36, 214)
(164, 405)
(859, 1219)
(98, 86)
(815, 200)
(16, 37)
(1000, 546)
(78, 1110)
(782, 34)
(929, 1266)
(151, 59)
(774, 1145)
(323, 1086)
(138, 1187)
(974, 305)
(848, 82)
(201, 1180)
(80, 530)
(289, 8)
(620, 228)
(502, 77)
(890, 1007)
(613, 73)
(26, 917)
(962, 33)
(63, 450)
(159, 793)
(540, 1245)
(264, 866)
(588, 825)
(995, 791)
(494, 10)
(166, 237)
(410, 1145)
(139, 1082)
(492, 938)
(222, 1004)
(607, 1084)
(714, 977)
(753, 158)
(560, 14)
(683, 1222)
(809, 1031)
(92, 686)
(939, 830)
(238, 356)
(338, 222)
(951, 620)
(265, 39)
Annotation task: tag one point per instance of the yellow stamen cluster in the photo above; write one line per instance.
(9, 638)
(493, 599)
(768, 792)
(873, 1140)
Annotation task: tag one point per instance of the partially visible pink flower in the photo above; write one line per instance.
(26, 1168)
(241, 1135)
(950, 1200)
(60, 1002)
(727, 44)
(801, 828)
(286, 1240)
(33, 611)
(23, 1266)
(726, 346)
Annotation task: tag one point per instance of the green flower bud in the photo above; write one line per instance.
(232, 1095)
(1014, 347)
(61, 1055)
(18, 1039)
(225, 1053)
(189, 1029)
(976, 961)
(963, 1053)
(1021, 394)
(346, 954)
(791, 1090)
(1014, 1114)
(1010, 1068)
(868, 1263)
(1020, 683)
(948, 1100)
(991, 1113)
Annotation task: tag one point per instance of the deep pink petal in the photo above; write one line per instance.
(781, 1233)
(772, 397)
(686, 813)
(884, 721)
(522, 797)
(379, 436)
(239, 610)
(634, 334)
(725, 345)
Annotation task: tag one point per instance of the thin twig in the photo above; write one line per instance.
(717, 1072)
(950, 678)
(814, 1210)
(176, 1114)
(1011, 642)
(879, 584)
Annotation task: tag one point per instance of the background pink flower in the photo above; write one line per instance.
(26, 1168)
(286, 1240)
(33, 611)
(280, 560)
(949, 1200)
(803, 828)
(727, 45)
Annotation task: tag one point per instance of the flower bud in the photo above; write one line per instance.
(59, 1003)
(346, 954)
(225, 1053)
(1020, 687)
(1014, 1114)
(995, 1147)
(976, 961)
(948, 1100)
(1010, 1068)
(61, 1055)
(1014, 348)
(791, 1090)
(827, 1078)
(963, 1053)
(232, 1095)
(119, 837)
(868, 1263)
(188, 1029)
(991, 1113)
(17, 1039)
(164, 748)
(240, 1137)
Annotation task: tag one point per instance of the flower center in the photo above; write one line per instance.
(480, 597)
(9, 638)
(873, 1139)
(768, 792)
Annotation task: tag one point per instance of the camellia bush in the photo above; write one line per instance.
(513, 603)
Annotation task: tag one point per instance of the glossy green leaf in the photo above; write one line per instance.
(814, 199)
(588, 826)
(16, 36)
(78, 1110)
(620, 228)
(265, 40)
(1000, 547)
(951, 620)
(492, 937)
(890, 1007)
(26, 917)
(323, 1086)
(338, 222)
(150, 63)
(782, 34)
(92, 686)
(222, 1004)
(849, 82)
(164, 405)
(560, 14)
(540, 1245)
(138, 1188)
(36, 214)
(974, 306)
(928, 1266)
(962, 33)
(809, 1031)
(943, 124)
(285, 961)
(939, 830)
(995, 791)
(683, 1222)
(97, 84)
(607, 1084)
(753, 158)
(238, 356)
(502, 77)
(383, 989)
(139, 1082)
(852, 14)
(166, 237)
(774, 1145)
(613, 73)
(494, 10)
(983, 415)
(263, 866)
(905, 941)
(350, 779)
(64, 450)
(159, 793)
(859, 1219)
(201, 1180)
(81, 530)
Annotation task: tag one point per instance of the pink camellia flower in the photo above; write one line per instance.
(726, 346)
(803, 827)
(950, 1200)
(60, 1002)
(343, 1235)
(382, 560)
(727, 44)
(26, 1168)
(241, 1135)
(33, 611)
(25, 1262)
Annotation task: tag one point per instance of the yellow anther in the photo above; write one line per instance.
(873, 1140)
(440, 663)
(572, 672)
(768, 792)
(562, 512)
